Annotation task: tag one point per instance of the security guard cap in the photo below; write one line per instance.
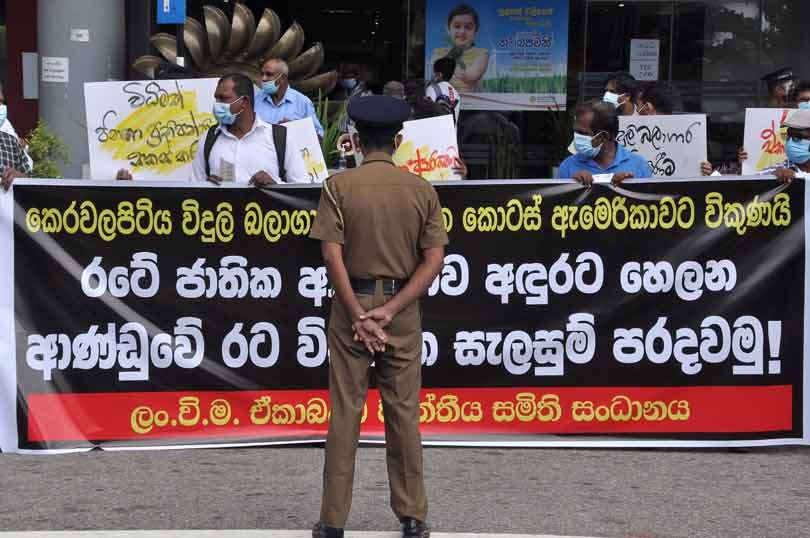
(378, 112)
(780, 75)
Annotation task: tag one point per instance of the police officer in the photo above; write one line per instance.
(382, 239)
(780, 86)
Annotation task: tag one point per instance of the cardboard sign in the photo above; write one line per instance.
(153, 127)
(673, 145)
(302, 133)
(764, 139)
(429, 148)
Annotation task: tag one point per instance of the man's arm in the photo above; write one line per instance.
(310, 112)
(420, 281)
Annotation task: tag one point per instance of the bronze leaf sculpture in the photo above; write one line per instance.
(240, 45)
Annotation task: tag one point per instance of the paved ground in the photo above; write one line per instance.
(245, 534)
(764, 493)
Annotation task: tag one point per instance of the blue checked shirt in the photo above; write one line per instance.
(294, 106)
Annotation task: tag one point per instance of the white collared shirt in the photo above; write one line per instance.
(238, 159)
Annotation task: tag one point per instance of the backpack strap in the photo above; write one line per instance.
(280, 142)
(210, 139)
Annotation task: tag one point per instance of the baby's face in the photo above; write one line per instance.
(462, 30)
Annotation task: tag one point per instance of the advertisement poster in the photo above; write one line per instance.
(764, 139)
(429, 148)
(673, 145)
(509, 55)
(151, 127)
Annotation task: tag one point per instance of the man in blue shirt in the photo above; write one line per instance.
(599, 153)
(276, 102)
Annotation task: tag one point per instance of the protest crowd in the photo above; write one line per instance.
(249, 116)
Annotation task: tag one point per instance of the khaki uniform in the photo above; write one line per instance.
(383, 217)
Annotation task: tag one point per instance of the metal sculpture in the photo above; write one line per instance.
(240, 45)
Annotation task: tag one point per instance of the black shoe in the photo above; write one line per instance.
(413, 528)
(322, 531)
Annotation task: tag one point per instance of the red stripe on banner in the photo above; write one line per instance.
(466, 411)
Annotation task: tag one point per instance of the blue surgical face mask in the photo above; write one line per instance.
(222, 111)
(270, 87)
(797, 151)
(804, 105)
(3, 114)
(584, 146)
(349, 83)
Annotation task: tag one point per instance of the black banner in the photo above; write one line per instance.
(656, 312)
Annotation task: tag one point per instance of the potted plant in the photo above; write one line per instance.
(45, 149)
(331, 129)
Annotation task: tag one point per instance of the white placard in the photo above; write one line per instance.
(81, 35)
(429, 148)
(153, 128)
(764, 139)
(644, 58)
(302, 132)
(55, 69)
(673, 145)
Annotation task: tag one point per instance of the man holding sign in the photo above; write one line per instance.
(599, 154)
(243, 148)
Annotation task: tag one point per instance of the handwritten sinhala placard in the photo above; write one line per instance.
(152, 128)
(764, 139)
(673, 145)
(429, 148)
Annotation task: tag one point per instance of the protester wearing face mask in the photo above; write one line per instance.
(243, 148)
(277, 102)
(599, 153)
(797, 147)
(583, 114)
(621, 91)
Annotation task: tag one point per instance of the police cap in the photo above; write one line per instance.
(378, 112)
(779, 75)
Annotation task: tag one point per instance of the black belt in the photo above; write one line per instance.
(368, 286)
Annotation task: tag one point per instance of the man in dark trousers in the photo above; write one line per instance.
(382, 238)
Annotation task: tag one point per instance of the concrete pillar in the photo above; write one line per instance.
(99, 59)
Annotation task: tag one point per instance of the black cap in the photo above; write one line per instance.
(378, 112)
(786, 73)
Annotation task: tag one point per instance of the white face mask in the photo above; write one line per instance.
(612, 98)
(3, 114)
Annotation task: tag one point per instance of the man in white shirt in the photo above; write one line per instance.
(440, 91)
(242, 148)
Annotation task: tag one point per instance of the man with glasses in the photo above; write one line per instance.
(277, 102)
(599, 154)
